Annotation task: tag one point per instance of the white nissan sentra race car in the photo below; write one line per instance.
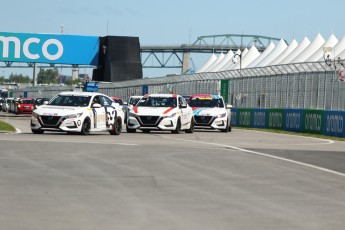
(78, 112)
(167, 112)
(210, 112)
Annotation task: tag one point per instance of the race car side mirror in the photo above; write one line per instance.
(183, 106)
(96, 105)
(45, 103)
(228, 106)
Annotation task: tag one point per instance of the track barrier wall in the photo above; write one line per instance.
(326, 122)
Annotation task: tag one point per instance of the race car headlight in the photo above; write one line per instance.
(73, 115)
(18, 106)
(170, 116)
(221, 115)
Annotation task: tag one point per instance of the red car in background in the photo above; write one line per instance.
(117, 100)
(24, 105)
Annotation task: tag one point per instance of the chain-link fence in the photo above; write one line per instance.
(303, 85)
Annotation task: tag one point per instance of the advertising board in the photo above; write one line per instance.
(49, 48)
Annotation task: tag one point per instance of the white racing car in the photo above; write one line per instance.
(167, 112)
(78, 112)
(210, 112)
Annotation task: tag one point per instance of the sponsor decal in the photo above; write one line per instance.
(334, 123)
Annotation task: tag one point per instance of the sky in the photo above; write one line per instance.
(174, 22)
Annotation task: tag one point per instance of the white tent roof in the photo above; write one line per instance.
(230, 63)
(278, 54)
(236, 60)
(252, 54)
(336, 50)
(331, 42)
(299, 49)
(310, 49)
(262, 56)
(208, 63)
(215, 63)
(280, 47)
(226, 59)
(285, 53)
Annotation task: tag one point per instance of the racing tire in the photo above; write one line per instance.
(226, 128)
(85, 128)
(34, 131)
(178, 127)
(191, 128)
(230, 128)
(116, 127)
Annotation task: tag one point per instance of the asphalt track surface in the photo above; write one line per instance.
(205, 180)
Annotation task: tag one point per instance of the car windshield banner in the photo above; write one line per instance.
(49, 48)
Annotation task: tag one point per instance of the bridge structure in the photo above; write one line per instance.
(157, 56)
(178, 56)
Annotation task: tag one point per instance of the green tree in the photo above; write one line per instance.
(49, 76)
(19, 78)
(73, 82)
(2, 79)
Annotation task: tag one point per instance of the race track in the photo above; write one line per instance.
(205, 180)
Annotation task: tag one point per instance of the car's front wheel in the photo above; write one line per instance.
(85, 129)
(117, 127)
(178, 127)
(226, 127)
(191, 128)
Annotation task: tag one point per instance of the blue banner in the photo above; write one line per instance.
(145, 89)
(234, 117)
(49, 48)
(334, 123)
(259, 118)
(293, 120)
(92, 87)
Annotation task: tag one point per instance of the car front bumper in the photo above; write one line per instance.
(159, 123)
(51, 123)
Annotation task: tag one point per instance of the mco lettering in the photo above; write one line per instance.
(25, 47)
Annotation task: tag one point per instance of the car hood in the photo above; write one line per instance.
(48, 110)
(208, 111)
(154, 111)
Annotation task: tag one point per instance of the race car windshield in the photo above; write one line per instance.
(29, 101)
(210, 103)
(134, 101)
(71, 100)
(158, 102)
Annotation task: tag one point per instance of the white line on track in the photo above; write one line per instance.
(18, 130)
(262, 154)
(70, 141)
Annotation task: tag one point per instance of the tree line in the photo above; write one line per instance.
(44, 76)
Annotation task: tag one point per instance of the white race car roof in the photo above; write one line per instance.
(161, 95)
(80, 93)
(136, 96)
